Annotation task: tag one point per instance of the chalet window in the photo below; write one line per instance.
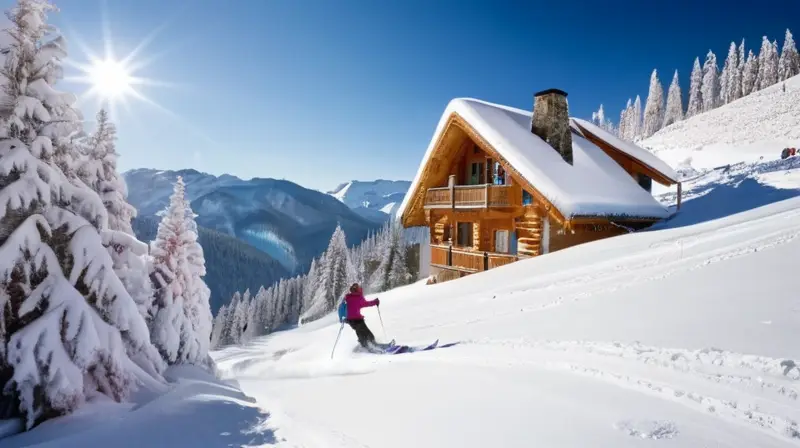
(527, 199)
(645, 182)
(476, 175)
(499, 175)
(464, 234)
(501, 241)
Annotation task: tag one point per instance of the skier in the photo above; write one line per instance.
(352, 304)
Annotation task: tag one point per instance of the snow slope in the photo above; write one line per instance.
(686, 334)
(757, 126)
(196, 410)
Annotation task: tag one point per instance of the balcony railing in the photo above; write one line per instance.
(471, 196)
(447, 256)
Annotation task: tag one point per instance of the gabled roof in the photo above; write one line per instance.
(594, 186)
(641, 155)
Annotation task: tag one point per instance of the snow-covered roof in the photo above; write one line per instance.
(594, 185)
(642, 155)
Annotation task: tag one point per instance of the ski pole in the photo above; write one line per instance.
(381, 318)
(337, 339)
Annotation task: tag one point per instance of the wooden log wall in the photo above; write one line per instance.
(581, 233)
(529, 232)
(440, 225)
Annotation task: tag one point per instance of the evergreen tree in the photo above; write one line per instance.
(181, 324)
(636, 119)
(599, 118)
(674, 112)
(729, 79)
(69, 329)
(767, 64)
(220, 319)
(624, 118)
(710, 87)
(750, 75)
(738, 80)
(398, 273)
(197, 295)
(789, 63)
(654, 108)
(98, 170)
(695, 105)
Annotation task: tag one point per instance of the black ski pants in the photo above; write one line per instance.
(362, 331)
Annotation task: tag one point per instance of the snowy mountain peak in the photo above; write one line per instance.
(375, 200)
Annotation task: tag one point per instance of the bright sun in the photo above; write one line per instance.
(110, 78)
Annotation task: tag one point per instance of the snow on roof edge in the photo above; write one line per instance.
(637, 152)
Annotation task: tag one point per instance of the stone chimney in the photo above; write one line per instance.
(550, 121)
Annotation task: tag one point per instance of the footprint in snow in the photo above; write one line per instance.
(648, 429)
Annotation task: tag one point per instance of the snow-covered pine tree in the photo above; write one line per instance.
(226, 337)
(198, 293)
(218, 327)
(297, 299)
(398, 274)
(98, 170)
(674, 112)
(257, 319)
(180, 327)
(750, 75)
(599, 118)
(741, 59)
(710, 87)
(69, 327)
(654, 108)
(636, 119)
(310, 287)
(336, 273)
(789, 63)
(624, 118)
(767, 64)
(727, 80)
(695, 105)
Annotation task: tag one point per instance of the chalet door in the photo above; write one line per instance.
(501, 241)
(476, 174)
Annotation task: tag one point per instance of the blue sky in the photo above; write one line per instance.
(320, 92)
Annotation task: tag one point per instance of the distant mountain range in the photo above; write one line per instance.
(231, 264)
(255, 232)
(290, 223)
(376, 200)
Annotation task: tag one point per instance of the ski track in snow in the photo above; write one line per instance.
(743, 405)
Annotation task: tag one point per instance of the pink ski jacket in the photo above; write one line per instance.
(355, 302)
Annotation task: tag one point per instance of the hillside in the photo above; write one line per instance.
(231, 265)
(290, 223)
(376, 200)
(686, 334)
(757, 126)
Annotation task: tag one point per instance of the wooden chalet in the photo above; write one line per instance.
(498, 184)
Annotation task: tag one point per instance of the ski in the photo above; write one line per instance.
(398, 349)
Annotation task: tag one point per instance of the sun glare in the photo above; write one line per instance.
(110, 78)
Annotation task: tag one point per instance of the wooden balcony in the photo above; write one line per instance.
(449, 257)
(472, 196)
